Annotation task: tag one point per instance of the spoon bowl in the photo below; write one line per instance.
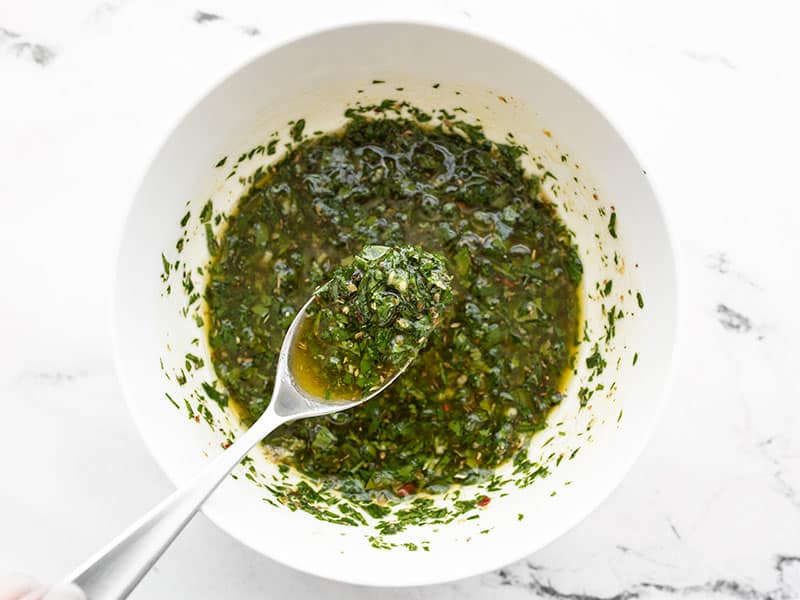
(291, 401)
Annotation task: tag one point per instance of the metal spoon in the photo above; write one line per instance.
(116, 569)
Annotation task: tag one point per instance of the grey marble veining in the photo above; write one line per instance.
(21, 47)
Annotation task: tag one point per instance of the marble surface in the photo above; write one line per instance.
(707, 91)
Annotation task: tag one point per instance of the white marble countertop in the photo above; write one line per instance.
(708, 92)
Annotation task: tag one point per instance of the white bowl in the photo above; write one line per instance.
(316, 77)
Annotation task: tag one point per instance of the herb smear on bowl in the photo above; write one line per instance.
(369, 321)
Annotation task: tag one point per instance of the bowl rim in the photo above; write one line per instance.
(490, 563)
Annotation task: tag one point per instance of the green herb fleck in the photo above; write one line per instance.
(175, 404)
(297, 130)
(215, 395)
(211, 240)
(612, 224)
(205, 214)
(166, 266)
(189, 410)
(194, 360)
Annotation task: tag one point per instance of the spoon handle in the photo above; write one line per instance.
(115, 570)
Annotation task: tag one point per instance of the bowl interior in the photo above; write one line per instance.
(587, 449)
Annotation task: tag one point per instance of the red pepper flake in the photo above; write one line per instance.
(483, 501)
(446, 407)
(505, 281)
(407, 489)
(225, 445)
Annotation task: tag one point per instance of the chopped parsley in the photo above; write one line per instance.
(370, 320)
(488, 376)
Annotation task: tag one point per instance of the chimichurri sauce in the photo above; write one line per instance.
(492, 370)
(369, 321)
